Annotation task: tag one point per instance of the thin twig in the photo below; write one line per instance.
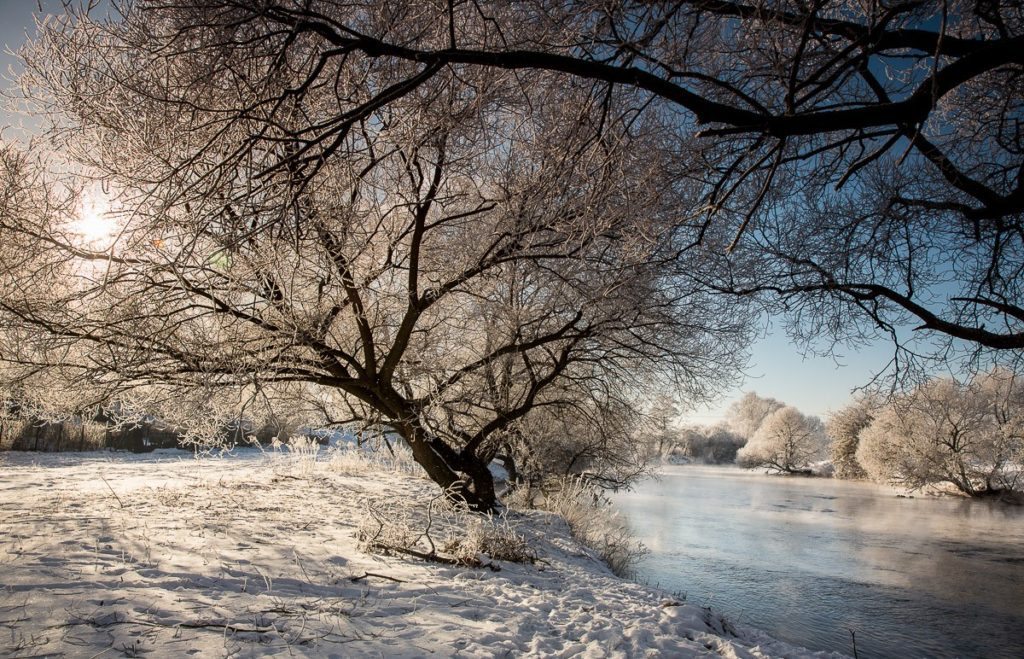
(355, 579)
(119, 502)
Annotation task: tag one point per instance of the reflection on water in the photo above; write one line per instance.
(811, 559)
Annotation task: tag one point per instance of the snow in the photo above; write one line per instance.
(257, 555)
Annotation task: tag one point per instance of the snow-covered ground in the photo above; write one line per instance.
(166, 555)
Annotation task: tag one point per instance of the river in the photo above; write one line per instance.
(809, 559)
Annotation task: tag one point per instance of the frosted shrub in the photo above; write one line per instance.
(498, 538)
(966, 436)
(844, 428)
(348, 461)
(595, 524)
(303, 451)
(473, 536)
(386, 527)
(443, 532)
(396, 457)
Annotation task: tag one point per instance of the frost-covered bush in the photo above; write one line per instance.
(594, 523)
(490, 536)
(352, 460)
(442, 531)
(387, 527)
(787, 441)
(843, 429)
(349, 461)
(969, 437)
(303, 451)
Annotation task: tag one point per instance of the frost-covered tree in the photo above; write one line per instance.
(946, 433)
(1003, 393)
(746, 415)
(787, 442)
(843, 428)
(595, 442)
(864, 157)
(444, 254)
(659, 427)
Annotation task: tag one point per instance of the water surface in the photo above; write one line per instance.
(810, 559)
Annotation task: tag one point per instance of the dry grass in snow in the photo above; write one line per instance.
(260, 555)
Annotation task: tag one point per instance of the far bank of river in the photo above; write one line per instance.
(809, 559)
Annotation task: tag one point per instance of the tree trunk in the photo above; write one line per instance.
(463, 479)
(481, 486)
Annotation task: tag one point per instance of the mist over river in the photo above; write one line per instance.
(809, 559)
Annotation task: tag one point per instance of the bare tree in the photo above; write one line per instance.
(787, 442)
(441, 254)
(868, 154)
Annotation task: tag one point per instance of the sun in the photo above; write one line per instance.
(93, 221)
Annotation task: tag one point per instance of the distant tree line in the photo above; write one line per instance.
(757, 432)
(943, 435)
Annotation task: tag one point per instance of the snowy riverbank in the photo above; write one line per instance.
(119, 555)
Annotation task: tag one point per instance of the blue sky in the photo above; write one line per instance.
(777, 369)
(16, 21)
(813, 384)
